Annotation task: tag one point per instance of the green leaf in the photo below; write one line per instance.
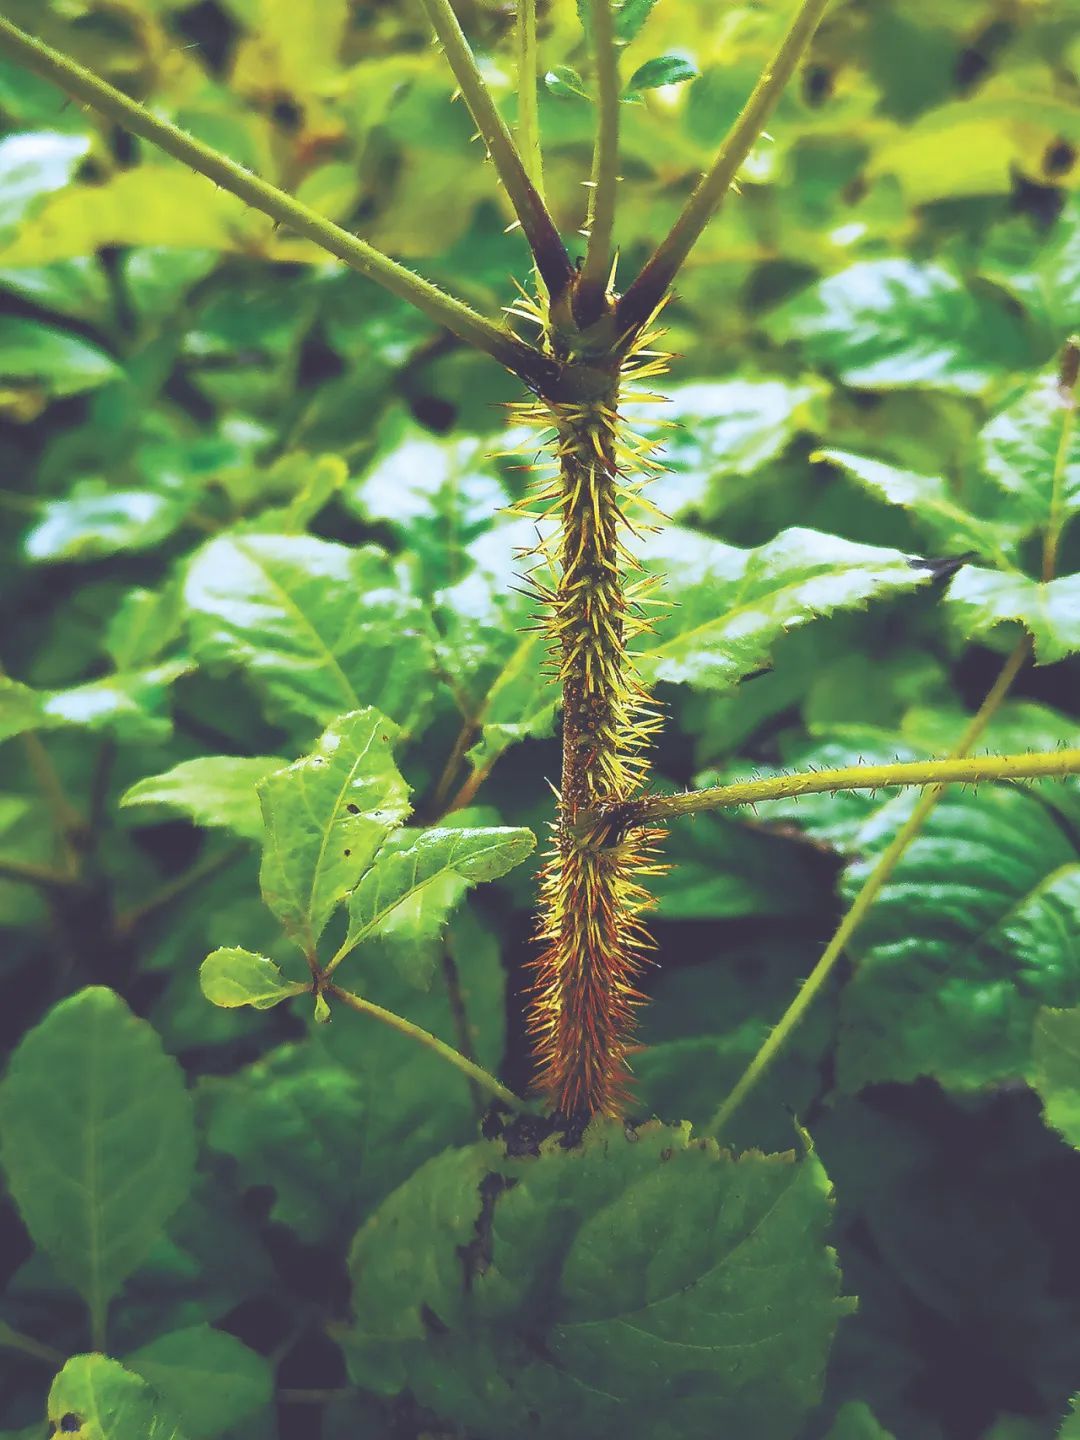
(599, 1282)
(98, 1399)
(731, 605)
(416, 881)
(126, 706)
(209, 1379)
(1056, 1052)
(729, 428)
(320, 628)
(565, 83)
(98, 1140)
(217, 791)
(662, 70)
(53, 360)
(936, 510)
(856, 1422)
(630, 18)
(232, 976)
(889, 324)
(326, 817)
(438, 495)
(1050, 612)
(99, 520)
(1027, 444)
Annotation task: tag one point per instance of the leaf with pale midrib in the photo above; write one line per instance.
(98, 1139)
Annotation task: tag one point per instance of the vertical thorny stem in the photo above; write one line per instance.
(592, 898)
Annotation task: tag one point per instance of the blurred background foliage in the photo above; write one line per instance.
(178, 381)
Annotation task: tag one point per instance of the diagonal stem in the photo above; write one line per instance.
(444, 309)
(655, 279)
(870, 891)
(592, 285)
(547, 247)
(468, 1067)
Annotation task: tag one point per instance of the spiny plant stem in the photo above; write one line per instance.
(444, 309)
(592, 284)
(874, 884)
(468, 1067)
(655, 279)
(546, 244)
(590, 897)
(953, 771)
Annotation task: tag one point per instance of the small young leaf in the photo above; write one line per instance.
(217, 791)
(565, 83)
(95, 1398)
(662, 70)
(98, 1139)
(326, 817)
(1056, 1050)
(209, 1379)
(231, 977)
(409, 891)
(126, 706)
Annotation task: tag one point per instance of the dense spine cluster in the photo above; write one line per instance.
(590, 928)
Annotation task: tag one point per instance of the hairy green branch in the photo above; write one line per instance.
(656, 277)
(961, 770)
(444, 309)
(546, 244)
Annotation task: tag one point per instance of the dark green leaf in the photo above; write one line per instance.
(662, 70)
(601, 1282)
(98, 1139)
(207, 1378)
(1056, 1048)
